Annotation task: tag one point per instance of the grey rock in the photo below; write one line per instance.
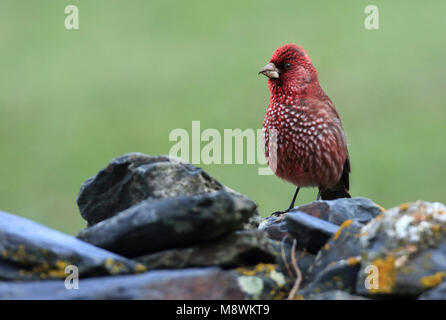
(275, 226)
(263, 281)
(303, 258)
(311, 233)
(340, 275)
(30, 251)
(240, 248)
(406, 246)
(170, 223)
(437, 293)
(336, 295)
(187, 284)
(343, 245)
(338, 211)
(360, 210)
(134, 177)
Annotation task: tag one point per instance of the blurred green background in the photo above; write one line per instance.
(70, 101)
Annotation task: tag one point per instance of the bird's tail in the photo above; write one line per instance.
(341, 189)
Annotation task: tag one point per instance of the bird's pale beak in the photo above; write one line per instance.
(270, 70)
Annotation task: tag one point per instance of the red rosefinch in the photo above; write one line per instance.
(303, 139)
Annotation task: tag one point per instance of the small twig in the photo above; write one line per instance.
(296, 269)
(285, 260)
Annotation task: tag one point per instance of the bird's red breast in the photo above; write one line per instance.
(303, 138)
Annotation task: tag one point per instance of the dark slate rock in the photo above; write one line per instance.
(406, 246)
(311, 233)
(170, 223)
(134, 177)
(340, 275)
(336, 295)
(187, 284)
(338, 211)
(437, 293)
(240, 248)
(343, 245)
(30, 251)
(275, 227)
(304, 259)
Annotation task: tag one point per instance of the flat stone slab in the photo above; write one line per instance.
(171, 223)
(311, 233)
(262, 281)
(239, 248)
(187, 284)
(30, 251)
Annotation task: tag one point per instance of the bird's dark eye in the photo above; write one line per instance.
(287, 66)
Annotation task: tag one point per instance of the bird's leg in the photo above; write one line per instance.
(291, 204)
(294, 199)
(319, 194)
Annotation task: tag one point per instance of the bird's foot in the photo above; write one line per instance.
(278, 213)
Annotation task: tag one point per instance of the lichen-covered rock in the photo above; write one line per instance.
(403, 251)
(304, 259)
(310, 232)
(360, 210)
(170, 223)
(339, 275)
(263, 281)
(343, 245)
(187, 284)
(30, 251)
(240, 248)
(134, 177)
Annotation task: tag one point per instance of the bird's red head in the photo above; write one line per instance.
(290, 70)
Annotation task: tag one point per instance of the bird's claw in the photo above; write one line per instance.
(278, 213)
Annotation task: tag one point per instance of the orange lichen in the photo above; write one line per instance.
(404, 207)
(381, 207)
(327, 246)
(346, 224)
(433, 280)
(353, 261)
(386, 275)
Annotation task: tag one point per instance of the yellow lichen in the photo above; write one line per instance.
(346, 224)
(139, 268)
(386, 275)
(436, 228)
(327, 246)
(261, 267)
(278, 295)
(21, 252)
(433, 280)
(61, 264)
(404, 207)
